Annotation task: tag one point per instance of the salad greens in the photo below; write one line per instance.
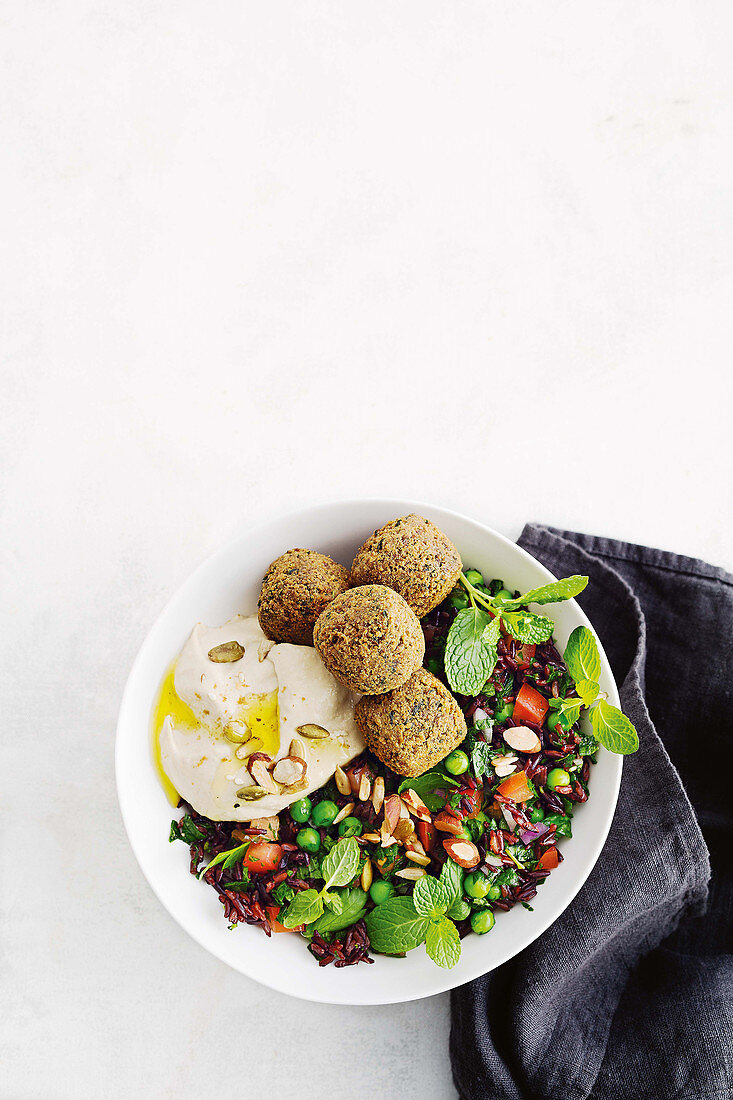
(471, 654)
(339, 867)
(403, 923)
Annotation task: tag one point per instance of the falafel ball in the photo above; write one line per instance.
(369, 639)
(295, 590)
(414, 557)
(413, 727)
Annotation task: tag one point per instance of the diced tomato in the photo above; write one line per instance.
(523, 655)
(262, 856)
(426, 831)
(548, 860)
(273, 912)
(517, 787)
(530, 706)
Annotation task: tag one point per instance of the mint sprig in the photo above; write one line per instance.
(470, 648)
(338, 868)
(403, 923)
(611, 727)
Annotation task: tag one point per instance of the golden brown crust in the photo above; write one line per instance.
(414, 726)
(295, 590)
(369, 639)
(414, 557)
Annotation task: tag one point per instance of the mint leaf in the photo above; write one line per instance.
(233, 855)
(526, 627)
(341, 863)
(581, 655)
(451, 876)
(554, 592)
(587, 690)
(333, 901)
(305, 907)
(426, 785)
(188, 831)
(613, 729)
(353, 907)
(570, 709)
(396, 926)
(431, 897)
(442, 943)
(470, 650)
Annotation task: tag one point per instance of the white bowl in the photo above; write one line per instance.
(229, 583)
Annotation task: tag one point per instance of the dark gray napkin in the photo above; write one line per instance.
(629, 995)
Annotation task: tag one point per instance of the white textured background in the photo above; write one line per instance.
(260, 254)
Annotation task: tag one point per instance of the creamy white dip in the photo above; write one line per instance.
(267, 694)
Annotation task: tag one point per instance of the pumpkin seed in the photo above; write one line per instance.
(251, 794)
(313, 731)
(225, 653)
(237, 732)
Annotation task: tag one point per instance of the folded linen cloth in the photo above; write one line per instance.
(629, 994)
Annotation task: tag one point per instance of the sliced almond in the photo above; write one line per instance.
(365, 786)
(261, 775)
(522, 738)
(387, 840)
(378, 794)
(297, 748)
(289, 770)
(366, 875)
(416, 806)
(415, 857)
(343, 812)
(412, 874)
(373, 838)
(392, 805)
(263, 649)
(248, 749)
(463, 852)
(414, 845)
(342, 781)
(404, 812)
(310, 729)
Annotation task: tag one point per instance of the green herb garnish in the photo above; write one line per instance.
(338, 869)
(403, 923)
(470, 650)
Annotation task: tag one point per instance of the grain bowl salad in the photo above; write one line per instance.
(382, 756)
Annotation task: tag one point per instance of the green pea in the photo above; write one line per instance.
(474, 577)
(476, 885)
(301, 810)
(537, 813)
(494, 893)
(324, 813)
(503, 594)
(459, 910)
(504, 712)
(350, 826)
(456, 762)
(482, 921)
(458, 601)
(308, 840)
(558, 777)
(381, 891)
(552, 719)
